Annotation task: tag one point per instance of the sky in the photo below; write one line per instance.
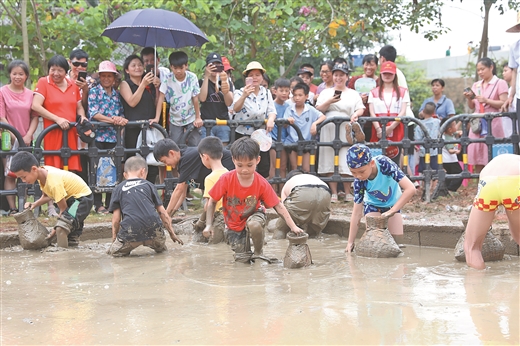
(466, 22)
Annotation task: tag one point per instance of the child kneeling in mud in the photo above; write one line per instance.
(210, 151)
(377, 191)
(73, 197)
(137, 213)
(241, 191)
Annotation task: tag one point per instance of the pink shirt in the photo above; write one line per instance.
(493, 90)
(16, 108)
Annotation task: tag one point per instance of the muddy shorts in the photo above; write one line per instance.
(239, 241)
(309, 207)
(123, 248)
(368, 208)
(493, 191)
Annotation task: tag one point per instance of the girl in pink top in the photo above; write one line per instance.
(15, 110)
(489, 94)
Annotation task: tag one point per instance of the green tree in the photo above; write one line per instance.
(418, 84)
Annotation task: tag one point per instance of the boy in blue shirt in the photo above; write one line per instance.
(306, 118)
(377, 191)
(433, 125)
(282, 87)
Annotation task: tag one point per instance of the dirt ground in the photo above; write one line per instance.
(454, 207)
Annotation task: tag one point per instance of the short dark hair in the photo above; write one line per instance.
(282, 83)
(339, 60)
(78, 54)
(266, 78)
(438, 80)
(388, 52)
(301, 86)
(135, 163)
(328, 63)
(293, 173)
(18, 63)
(23, 161)
(58, 61)
(370, 58)
(429, 108)
(295, 79)
(148, 51)
(178, 58)
(163, 147)
(127, 62)
(211, 146)
(245, 148)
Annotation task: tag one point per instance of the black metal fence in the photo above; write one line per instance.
(119, 152)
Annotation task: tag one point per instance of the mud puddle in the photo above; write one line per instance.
(195, 294)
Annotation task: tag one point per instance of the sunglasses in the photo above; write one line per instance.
(79, 63)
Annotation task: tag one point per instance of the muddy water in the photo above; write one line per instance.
(195, 294)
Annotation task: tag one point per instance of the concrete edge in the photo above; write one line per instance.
(415, 233)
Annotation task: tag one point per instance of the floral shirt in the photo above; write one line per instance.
(180, 97)
(256, 107)
(110, 106)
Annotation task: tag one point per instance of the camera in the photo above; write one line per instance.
(218, 68)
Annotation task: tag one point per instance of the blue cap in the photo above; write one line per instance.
(358, 156)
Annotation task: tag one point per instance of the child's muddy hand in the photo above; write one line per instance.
(388, 214)
(208, 231)
(53, 232)
(349, 248)
(175, 239)
(297, 230)
(28, 205)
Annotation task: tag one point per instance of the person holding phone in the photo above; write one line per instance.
(215, 97)
(254, 102)
(78, 62)
(338, 101)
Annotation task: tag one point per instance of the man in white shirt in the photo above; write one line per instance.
(514, 62)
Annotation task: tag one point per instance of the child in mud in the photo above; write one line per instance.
(499, 185)
(138, 212)
(377, 191)
(210, 151)
(241, 191)
(72, 195)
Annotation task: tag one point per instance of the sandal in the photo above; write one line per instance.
(101, 210)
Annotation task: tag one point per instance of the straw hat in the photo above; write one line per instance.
(515, 28)
(253, 65)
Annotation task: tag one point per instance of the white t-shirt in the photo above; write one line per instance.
(388, 103)
(514, 62)
(179, 95)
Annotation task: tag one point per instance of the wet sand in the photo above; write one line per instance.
(196, 294)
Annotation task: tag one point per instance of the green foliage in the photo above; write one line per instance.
(418, 84)
(276, 33)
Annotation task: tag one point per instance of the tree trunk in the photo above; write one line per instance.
(484, 41)
(25, 40)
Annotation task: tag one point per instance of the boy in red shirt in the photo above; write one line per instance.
(241, 191)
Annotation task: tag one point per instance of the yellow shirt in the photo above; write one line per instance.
(62, 184)
(210, 181)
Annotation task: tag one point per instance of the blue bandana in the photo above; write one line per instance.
(358, 156)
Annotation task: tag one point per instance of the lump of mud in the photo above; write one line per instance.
(492, 249)
(32, 234)
(298, 254)
(377, 241)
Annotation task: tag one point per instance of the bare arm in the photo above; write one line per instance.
(282, 211)
(43, 200)
(126, 92)
(158, 110)
(62, 204)
(116, 222)
(511, 97)
(178, 196)
(167, 222)
(408, 191)
(37, 106)
(210, 211)
(502, 98)
(30, 132)
(357, 214)
(198, 120)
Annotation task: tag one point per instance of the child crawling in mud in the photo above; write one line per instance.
(138, 214)
(377, 191)
(241, 191)
(73, 197)
(499, 185)
(210, 151)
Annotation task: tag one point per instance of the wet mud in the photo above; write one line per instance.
(32, 234)
(197, 294)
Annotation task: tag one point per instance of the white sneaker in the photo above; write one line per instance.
(349, 197)
(334, 198)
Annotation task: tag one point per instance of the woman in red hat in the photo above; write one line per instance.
(388, 100)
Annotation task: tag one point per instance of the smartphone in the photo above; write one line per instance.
(337, 93)
(149, 68)
(468, 90)
(82, 74)
(218, 68)
(249, 81)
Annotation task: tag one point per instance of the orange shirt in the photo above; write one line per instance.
(63, 104)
